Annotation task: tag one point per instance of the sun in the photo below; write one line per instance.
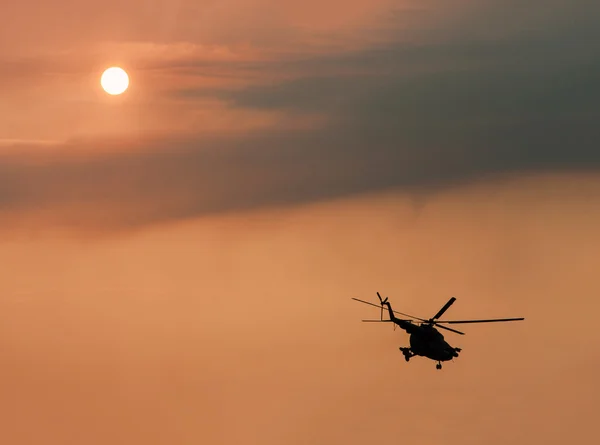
(114, 81)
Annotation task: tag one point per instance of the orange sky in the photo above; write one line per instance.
(242, 328)
(178, 262)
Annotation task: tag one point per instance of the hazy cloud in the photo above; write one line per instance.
(463, 103)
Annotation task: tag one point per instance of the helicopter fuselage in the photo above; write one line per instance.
(428, 342)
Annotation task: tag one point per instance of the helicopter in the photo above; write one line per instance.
(425, 340)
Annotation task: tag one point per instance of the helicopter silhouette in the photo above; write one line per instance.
(425, 339)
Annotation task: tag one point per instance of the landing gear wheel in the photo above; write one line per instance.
(438, 366)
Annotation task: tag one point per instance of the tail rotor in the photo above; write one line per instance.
(382, 301)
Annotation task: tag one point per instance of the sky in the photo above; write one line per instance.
(178, 261)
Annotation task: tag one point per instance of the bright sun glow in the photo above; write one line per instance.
(114, 80)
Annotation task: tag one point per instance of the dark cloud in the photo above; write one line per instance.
(177, 179)
(415, 117)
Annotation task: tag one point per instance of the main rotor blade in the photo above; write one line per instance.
(449, 329)
(444, 309)
(366, 302)
(376, 321)
(491, 320)
(395, 312)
